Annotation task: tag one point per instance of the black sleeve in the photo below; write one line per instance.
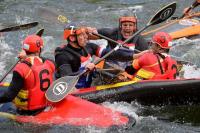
(105, 31)
(130, 70)
(141, 44)
(63, 65)
(111, 33)
(121, 54)
(15, 86)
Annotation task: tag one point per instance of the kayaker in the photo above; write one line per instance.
(127, 27)
(155, 64)
(31, 78)
(76, 55)
(187, 10)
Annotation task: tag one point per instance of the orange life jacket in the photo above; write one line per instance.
(38, 75)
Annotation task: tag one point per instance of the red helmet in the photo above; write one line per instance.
(164, 40)
(72, 30)
(127, 19)
(32, 43)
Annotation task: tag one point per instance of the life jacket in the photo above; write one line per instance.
(152, 67)
(38, 75)
(171, 71)
(85, 80)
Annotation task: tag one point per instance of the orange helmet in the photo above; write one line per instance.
(32, 43)
(163, 39)
(128, 19)
(72, 30)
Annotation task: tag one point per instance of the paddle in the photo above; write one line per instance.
(194, 4)
(64, 85)
(39, 33)
(20, 27)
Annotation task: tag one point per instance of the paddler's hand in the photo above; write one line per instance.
(22, 55)
(91, 30)
(186, 11)
(124, 76)
(90, 66)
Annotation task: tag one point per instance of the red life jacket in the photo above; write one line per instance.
(149, 68)
(38, 76)
(171, 71)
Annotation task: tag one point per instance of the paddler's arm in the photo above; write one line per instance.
(136, 56)
(141, 44)
(15, 86)
(108, 32)
(64, 66)
(136, 65)
(187, 10)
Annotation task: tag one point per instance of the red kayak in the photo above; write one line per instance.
(75, 111)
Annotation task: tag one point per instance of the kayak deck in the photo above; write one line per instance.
(75, 112)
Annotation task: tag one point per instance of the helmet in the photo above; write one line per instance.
(72, 30)
(32, 43)
(127, 19)
(163, 39)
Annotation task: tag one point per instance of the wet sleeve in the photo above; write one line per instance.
(122, 55)
(63, 65)
(105, 31)
(15, 86)
(66, 70)
(130, 70)
(141, 44)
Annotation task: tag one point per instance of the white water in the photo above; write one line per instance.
(106, 15)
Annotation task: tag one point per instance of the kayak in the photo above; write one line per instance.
(75, 111)
(188, 27)
(147, 92)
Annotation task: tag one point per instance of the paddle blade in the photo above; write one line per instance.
(40, 32)
(163, 14)
(60, 88)
(20, 27)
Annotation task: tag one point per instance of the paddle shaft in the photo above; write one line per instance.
(10, 69)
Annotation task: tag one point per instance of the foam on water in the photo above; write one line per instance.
(191, 71)
(5, 53)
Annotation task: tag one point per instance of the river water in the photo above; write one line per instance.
(98, 13)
